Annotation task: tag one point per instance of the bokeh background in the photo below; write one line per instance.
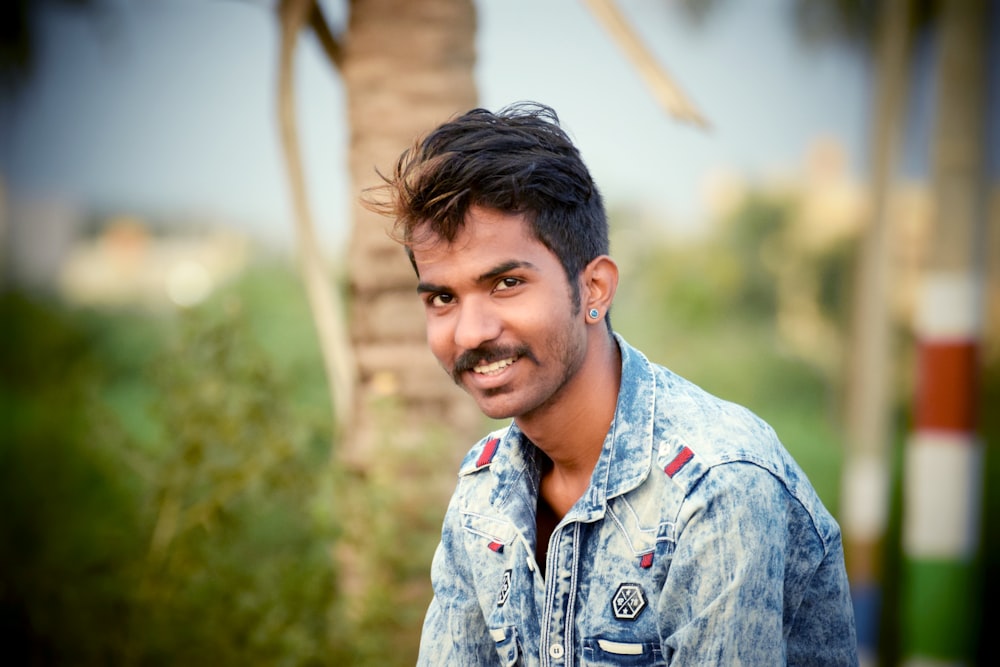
(222, 439)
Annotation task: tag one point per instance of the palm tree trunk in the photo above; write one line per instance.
(407, 67)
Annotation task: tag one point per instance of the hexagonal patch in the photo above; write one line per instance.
(628, 602)
(504, 589)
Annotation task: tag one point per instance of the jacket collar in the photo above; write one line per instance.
(625, 459)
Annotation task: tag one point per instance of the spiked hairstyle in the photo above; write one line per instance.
(518, 160)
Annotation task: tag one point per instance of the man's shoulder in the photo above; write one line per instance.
(713, 429)
(688, 412)
(699, 432)
(481, 455)
(701, 415)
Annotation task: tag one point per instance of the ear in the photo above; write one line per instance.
(598, 284)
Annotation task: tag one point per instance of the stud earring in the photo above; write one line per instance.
(594, 313)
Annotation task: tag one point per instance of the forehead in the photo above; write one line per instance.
(487, 238)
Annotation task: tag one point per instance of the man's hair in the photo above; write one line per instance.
(518, 160)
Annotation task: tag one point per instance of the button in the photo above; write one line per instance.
(556, 651)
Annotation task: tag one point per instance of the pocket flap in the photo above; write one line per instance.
(493, 529)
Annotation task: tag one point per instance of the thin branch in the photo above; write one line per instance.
(324, 302)
(666, 91)
(331, 45)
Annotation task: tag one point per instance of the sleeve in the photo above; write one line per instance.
(739, 560)
(824, 632)
(454, 631)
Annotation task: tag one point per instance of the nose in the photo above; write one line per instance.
(477, 322)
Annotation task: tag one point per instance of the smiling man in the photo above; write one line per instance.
(624, 516)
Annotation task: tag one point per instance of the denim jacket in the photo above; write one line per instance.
(698, 542)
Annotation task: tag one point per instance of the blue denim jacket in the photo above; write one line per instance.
(699, 542)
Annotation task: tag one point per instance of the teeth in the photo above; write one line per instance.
(494, 367)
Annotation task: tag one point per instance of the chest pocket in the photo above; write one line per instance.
(599, 652)
(496, 534)
(642, 530)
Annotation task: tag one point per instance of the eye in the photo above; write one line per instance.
(506, 284)
(440, 299)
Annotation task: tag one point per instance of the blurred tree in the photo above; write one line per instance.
(204, 540)
(70, 533)
(955, 259)
(406, 66)
(394, 56)
(237, 515)
(869, 403)
(883, 31)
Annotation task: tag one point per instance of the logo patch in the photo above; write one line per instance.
(504, 589)
(628, 602)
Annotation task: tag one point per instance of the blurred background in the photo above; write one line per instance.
(223, 440)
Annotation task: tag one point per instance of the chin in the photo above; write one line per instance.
(495, 409)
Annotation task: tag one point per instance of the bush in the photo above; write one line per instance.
(162, 502)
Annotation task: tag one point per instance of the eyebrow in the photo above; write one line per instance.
(492, 274)
(503, 268)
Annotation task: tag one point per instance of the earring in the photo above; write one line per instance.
(594, 313)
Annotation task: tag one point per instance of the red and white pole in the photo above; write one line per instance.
(943, 467)
(943, 476)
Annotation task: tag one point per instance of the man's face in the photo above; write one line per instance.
(500, 316)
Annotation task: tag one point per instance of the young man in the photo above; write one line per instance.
(625, 516)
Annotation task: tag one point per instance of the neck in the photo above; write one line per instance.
(571, 432)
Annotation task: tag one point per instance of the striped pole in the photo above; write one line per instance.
(943, 466)
(943, 478)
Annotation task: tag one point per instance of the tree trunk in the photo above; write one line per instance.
(407, 67)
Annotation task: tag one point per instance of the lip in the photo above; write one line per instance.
(494, 378)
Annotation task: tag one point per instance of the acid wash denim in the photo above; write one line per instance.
(699, 542)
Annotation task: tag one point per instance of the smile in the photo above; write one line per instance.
(494, 367)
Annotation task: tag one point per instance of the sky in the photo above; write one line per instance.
(167, 107)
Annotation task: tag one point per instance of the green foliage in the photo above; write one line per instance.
(70, 537)
(234, 541)
(164, 500)
(708, 310)
(756, 236)
(391, 518)
(735, 274)
(277, 318)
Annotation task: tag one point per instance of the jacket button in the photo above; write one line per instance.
(556, 651)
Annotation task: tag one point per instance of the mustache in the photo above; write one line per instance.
(487, 355)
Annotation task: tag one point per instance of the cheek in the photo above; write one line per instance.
(438, 337)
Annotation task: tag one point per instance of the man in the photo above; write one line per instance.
(625, 516)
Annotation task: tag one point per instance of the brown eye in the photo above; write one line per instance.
(507, 283)
(440, 299)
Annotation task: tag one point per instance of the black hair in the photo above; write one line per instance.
(517, 160)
